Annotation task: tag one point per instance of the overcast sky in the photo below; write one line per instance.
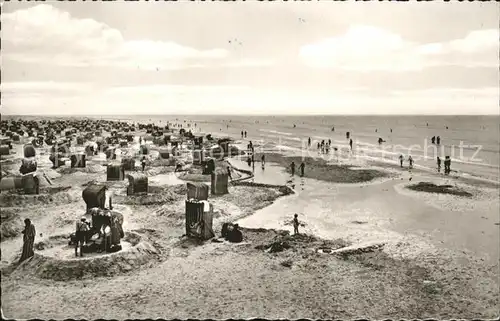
(320, 57)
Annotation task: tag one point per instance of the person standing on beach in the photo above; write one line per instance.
(439, 164)
(263, 160)
(410, 160)
(438, 140)
(302, 167)
(229, 173)
(401, 159)
(81, 232)
(309, 142)
(295, 224)
(143, 163)
(241, 134)
(245, 134)
(350, 143)
(433, 140)
(249, 161)
(28, 240)
(292, 168)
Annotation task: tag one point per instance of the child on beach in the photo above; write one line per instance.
(295, 224)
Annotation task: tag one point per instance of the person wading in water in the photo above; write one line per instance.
(292, 168)
(302, 166)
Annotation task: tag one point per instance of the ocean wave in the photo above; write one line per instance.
(275, 132)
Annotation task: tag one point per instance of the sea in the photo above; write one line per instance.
(472, 142)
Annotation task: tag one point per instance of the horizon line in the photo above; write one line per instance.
(260, 115)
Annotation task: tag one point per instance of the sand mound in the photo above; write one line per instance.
(48, 196)
(12, 224)
(50, 263)
(157, 195)
(89, 169)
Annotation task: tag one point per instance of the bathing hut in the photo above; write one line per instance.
(56, 160)
(123, 143)
(78, 160)
(4, 150)
(144, 150)
(16, 138)
(198, 156)
(95, 196)
(197, 191)
(128, 163)
(29, 150)
(209, 166)
(11, 183)
(199, 218)
(198, 142)
(137, 183)
(115, 172)
(28, 166)
(219, 182)
(164, 154)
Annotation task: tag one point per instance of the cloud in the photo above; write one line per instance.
(45, 34)
(366, 48)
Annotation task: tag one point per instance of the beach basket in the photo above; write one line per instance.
(115, 172)
(164, 154)
(199, 219)
(138, 183)
(94, 196)
(219, 182)
(29, 150)
(197, 191)
(128, 163)
(198, 157)
(4, 150)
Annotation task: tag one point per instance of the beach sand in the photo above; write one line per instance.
(425, 255)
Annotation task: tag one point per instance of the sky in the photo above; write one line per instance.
(318, 57)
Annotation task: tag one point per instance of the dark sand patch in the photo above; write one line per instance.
(439, 189)
(318, 168)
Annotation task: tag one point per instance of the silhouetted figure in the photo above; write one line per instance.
(447, 165)
(245, 134)
(235, 235)
(439, 164)
(292, 168)
(391, 130)
(410, 160)
(29, 234)
(249, 161)
(438, 140)
(350, 143)
(401, 159)
(333, 129)
(347, 135)
(229, 173)
(309, 142)
(82, 228)
(242, 134)
(263, 160)
(143, 163)
(302, 167)
(295, 224)
(433, 139)
(329, 142)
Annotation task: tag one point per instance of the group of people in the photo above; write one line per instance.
(447, 165)
(243, 134)
(436, 140)
(410, 161)
(302, 167)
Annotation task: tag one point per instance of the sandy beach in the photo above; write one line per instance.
(370, 242)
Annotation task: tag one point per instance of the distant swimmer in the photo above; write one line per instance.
(427, 124)
(245, 134)
(410, 160)
(391, 130)
(376, 130)
(439, 164)
(241, 134)
(401, 159)
(292, 168)
(294, 125)
(380, 140)
(347, 135)
(309, 142)
(302, 167)
(333, 129)
(446, 127)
